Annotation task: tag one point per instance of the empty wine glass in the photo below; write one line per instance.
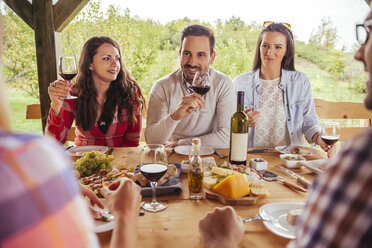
(201, 85)
(68, 70)
(330, 132)
(153, 165)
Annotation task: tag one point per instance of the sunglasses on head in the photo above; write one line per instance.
(268, 23)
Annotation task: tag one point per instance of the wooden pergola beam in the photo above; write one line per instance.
(23, 9)
(45, 51)
(65, 11)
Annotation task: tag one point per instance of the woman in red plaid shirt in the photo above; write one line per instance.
(108, 110)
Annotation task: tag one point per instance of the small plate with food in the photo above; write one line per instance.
(79, 151)
(283, 216)
(292, 161)
(299, 150)
(185, 150)
(104, 220)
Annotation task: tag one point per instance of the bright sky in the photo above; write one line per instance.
(304, 15)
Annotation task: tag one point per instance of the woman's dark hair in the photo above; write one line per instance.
(288, 59)
(123, 92)
(199, 30)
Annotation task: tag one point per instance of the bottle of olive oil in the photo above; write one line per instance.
(239, 134)
(195, 172)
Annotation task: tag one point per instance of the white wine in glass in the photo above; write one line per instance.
(68, 70)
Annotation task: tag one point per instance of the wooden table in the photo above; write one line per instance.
(177, 226)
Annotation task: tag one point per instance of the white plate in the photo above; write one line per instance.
(103, 226)
(313, 165)
(305, 151)
(79, 150)
(278, 212)
(185, 150)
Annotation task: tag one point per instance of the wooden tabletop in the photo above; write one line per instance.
(177, 226)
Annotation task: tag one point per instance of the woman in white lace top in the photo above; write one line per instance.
(278, 99)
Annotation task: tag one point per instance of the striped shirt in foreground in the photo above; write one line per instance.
(40, 200)
(338, 211)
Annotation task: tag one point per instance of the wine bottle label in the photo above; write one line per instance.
(239, 145)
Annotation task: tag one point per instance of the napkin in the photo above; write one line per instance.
(172, 187)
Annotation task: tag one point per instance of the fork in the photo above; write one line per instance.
(219, 154)
(257, 217)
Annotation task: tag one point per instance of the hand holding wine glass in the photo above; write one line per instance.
(153, 165)
(330, 133)
(201, 85)
(67, 70)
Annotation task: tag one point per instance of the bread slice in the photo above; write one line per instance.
(293, 215)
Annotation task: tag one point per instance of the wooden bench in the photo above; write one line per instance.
(345, 111)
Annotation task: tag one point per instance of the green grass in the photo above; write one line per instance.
(325, 87)
(18, 103)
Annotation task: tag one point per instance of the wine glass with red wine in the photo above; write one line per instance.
(68, 70)
(330, 133)
(153, 165)
(201, 85)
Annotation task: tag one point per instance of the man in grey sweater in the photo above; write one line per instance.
(172, 117)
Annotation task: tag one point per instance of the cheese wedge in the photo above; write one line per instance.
(224, 172)
(209, 182)
(234, 186)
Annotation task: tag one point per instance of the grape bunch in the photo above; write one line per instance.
(92, 162)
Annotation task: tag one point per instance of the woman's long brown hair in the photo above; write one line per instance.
(123, 92)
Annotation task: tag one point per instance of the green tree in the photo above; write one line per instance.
(325, 36)
(19, 57)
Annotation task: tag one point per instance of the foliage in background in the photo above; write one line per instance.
(325, 36)
(150, 49)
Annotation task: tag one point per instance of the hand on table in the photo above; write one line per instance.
(186, 106)
(221, 228)
(253, 116)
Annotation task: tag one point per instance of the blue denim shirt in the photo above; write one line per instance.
(298, 103)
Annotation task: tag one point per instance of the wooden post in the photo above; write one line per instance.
(45, 50)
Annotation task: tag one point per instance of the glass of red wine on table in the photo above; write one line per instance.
(153, 165)
(330, 133)
(68, 70)
(201, 85)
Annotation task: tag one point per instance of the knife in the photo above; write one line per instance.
(300, 179)
(262, 150)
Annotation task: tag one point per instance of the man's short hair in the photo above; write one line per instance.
(199, 30)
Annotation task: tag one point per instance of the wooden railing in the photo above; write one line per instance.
(324, 109)
(345, 111)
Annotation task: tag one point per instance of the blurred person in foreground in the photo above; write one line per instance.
(280, 96)
(41, 203)
(338, 209)
(108, 110)
(171, 117)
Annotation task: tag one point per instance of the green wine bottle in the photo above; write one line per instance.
(239, 134)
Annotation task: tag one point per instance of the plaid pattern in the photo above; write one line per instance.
(118, 134)
(40, 203)
(338, 212)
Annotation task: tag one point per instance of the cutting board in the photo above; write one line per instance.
(243, 201)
